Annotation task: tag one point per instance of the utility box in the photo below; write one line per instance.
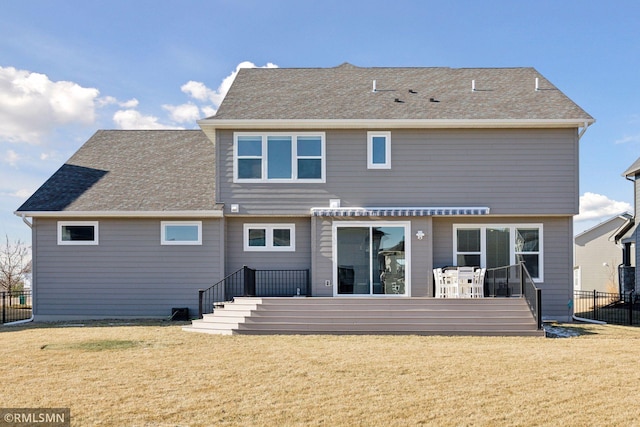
(181, 313)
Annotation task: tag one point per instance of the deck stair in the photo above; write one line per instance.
(419, 316)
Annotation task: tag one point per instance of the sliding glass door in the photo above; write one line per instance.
(371, 259)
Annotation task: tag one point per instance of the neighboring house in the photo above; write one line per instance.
(628, 236)
(357, 174)
(597, 255)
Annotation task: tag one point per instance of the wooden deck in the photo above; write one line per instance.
(417, 316)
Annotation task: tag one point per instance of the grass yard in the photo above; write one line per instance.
(154, 374)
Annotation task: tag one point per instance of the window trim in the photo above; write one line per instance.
(163, 231)
(512, 243)
(93, 242)
(408, 254)
(294, 158)
(387, 150)
(269, 228)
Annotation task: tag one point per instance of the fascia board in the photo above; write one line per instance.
(394, 123)
(121, 214)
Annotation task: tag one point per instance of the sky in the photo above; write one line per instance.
(69, 68)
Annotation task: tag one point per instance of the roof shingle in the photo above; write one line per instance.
(346, 93)
(141, 170)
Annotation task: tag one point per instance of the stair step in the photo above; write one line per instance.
(487, 316)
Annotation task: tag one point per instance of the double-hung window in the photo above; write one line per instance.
(279, 157)
(269, 237)
(379, 150)
(493, 246)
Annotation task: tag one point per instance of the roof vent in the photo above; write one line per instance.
(398, 100)
(412, 91)
(374, 87)
(473, 85)
(433, 100)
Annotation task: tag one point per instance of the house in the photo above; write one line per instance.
(597, 255)
(628, 237)
(367, 177)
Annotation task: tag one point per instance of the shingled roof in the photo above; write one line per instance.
(133, 171)
(347, 92)
(633, 169)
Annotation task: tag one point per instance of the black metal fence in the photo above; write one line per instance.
(15, 306)
(514, 281)
(254, 283)
(616, 308)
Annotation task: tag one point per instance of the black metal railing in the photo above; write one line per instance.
(254, 283)
(515, 281)
(503, 281)
(15, 306)
(616, 308)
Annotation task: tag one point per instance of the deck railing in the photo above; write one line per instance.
(609, 307)
(15, 306)
(515, 281)
(255, 283)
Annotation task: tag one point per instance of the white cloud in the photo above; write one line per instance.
(11, 157)
(201, 92)
(132, 103)
(183, 113)
(599, 207)
(22, 193)
(31, 105)
(627, 139)
(132, 119)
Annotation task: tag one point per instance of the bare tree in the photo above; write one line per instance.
(15, 263)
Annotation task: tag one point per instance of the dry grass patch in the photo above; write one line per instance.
(154, 374)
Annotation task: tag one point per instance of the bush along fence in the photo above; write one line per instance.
(15, 306)
(616, 308)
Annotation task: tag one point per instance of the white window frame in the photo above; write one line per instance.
(294, 157)
(164, 241)
(269, 228)
(387, 150)
(407, 255)
(78, 242)
(512, 243)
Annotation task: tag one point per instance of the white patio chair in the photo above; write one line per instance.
(465, 282)
(451, 283)
(441, 289)
(477, 290)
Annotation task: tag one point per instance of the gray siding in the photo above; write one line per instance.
(237, 257)
(558, 248)
(512, 171)
(128, 274)
(421, 267)
(594, 249)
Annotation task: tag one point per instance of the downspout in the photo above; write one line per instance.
(582, 319)
(584, 129)
(26, 221)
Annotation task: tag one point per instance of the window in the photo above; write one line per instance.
(494, 246)
(279, 157)
(77, 232)
(181, 233)
(379, 150)
(269, 237)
